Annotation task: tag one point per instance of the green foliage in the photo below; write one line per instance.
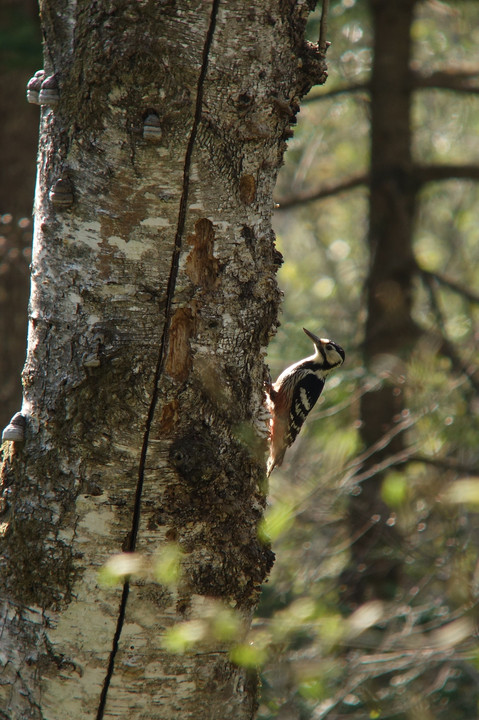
(394, 489)
(184, 636)
(119, 567)
(277, 520)
(248, 656)
(166, 568)
(414, 655)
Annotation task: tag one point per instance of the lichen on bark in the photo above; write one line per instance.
(153, 299)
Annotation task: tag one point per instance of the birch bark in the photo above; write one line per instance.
(153, 296)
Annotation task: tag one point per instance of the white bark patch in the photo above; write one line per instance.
(97, 518)
(74, 298)
(82, 633)
(155, 222)
(73, 694)
(89, 234)
(132, 249)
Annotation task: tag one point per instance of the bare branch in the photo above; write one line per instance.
(436, 173)
(378, 468)
(422, 173)
(457, 80)
(350, 183)
(341, 90)
(451, 284)
(323, 28)
(444, 463)
(410, 456)
(447, 347)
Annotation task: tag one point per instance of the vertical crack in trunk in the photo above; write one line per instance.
(163, 345)
(111, 661)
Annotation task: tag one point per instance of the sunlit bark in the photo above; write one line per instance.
(153, 297)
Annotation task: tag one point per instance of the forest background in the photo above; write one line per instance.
(371, 608)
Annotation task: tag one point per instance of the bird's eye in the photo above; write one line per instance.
(329, 346)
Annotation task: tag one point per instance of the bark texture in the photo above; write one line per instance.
(152, 299)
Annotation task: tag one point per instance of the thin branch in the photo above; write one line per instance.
(448, 348)
(354, 467)
(350, 474)
(456, 81)
(323, 28)
(465, 80)
(451, 284)
(341, 90)
(323, 192)
(400, 458)
(422, 173)
(344, 405)
(445, 464)
(367, 666)
(436, 173)
(404, 457)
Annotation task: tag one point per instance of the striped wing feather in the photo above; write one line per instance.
(288, 419)
(305, 395)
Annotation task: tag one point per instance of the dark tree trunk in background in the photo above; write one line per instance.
(19, 51)
(15, 254)
(19, 133)
(390, 330)
(153, 298)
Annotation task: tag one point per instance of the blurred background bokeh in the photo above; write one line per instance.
(20, 53)
(371, 607)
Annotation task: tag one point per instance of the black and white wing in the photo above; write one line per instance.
(305, 394)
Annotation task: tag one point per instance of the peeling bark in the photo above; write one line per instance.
(152, 299)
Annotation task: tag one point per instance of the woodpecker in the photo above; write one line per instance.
(295, 393)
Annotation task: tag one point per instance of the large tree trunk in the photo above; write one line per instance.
(390, 329)
(153, 295)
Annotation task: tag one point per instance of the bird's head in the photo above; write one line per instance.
(331, 354)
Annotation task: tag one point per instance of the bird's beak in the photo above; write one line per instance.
(314, 338)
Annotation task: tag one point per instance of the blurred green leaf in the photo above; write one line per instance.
(184, 636)
(119, 567)
(394, 489)
(278, 518)
(167, 566)
(248, 655)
